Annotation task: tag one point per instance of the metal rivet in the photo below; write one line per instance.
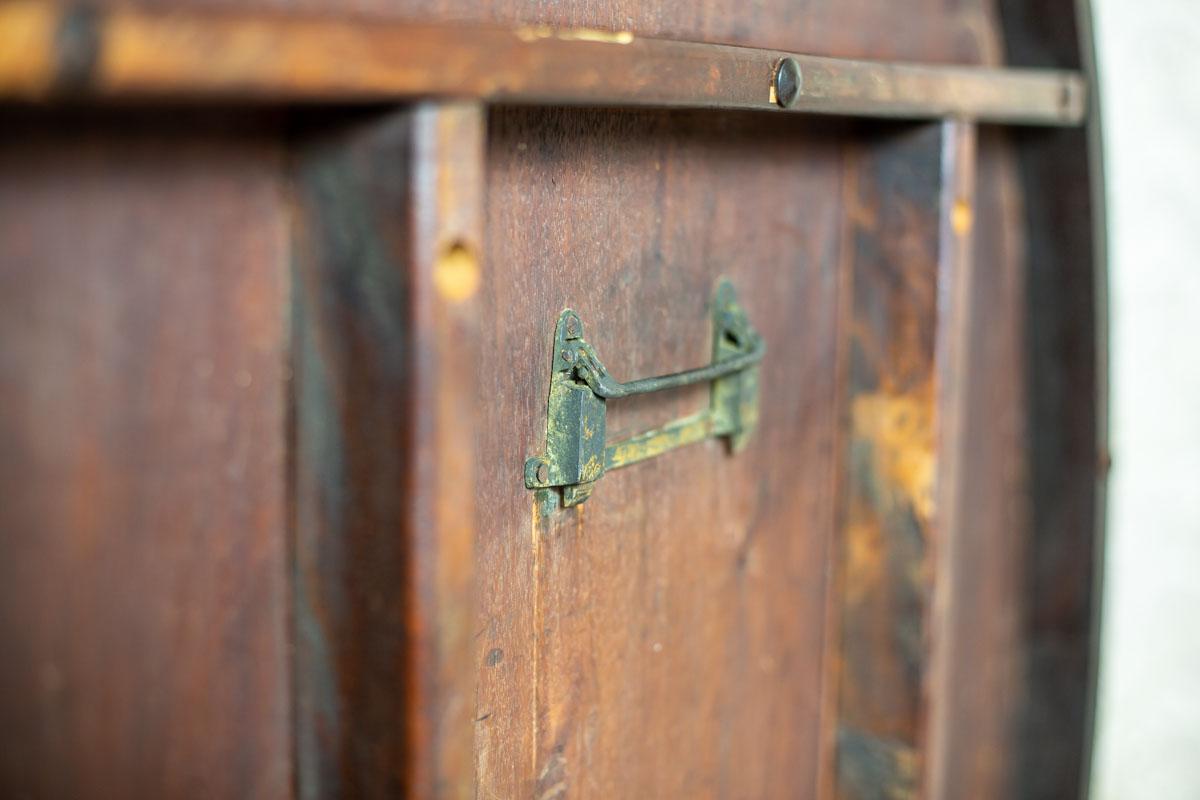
(567, 356)
(543, 472)
(572, 326)
(788, 82)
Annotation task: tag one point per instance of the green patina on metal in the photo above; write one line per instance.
(577, 453)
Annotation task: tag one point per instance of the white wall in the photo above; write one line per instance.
(1149, 697)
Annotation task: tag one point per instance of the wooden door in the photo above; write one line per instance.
(273, 361)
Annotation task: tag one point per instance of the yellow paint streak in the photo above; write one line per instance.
(961, 217)
(640, 450)
(456, 273)
(533, 33)
(536, 627)
(900, 426)
(865, 560)
(591, 470)
(27, 52)
(534, 521)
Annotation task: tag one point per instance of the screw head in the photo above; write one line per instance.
(788, 82)
(567, 356)
(543, 472)
(572, 326)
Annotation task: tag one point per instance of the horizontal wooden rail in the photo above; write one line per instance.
(48, 51)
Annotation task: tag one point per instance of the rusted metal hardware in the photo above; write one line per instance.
(134, 52)
(577, 453)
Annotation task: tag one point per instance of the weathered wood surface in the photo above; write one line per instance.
(879, 657)
(936, 31)
(387, 246)
(674, 636)
(144, 575)
(646, 643)
(641, 645)
(136, 53)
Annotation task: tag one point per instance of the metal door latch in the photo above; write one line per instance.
(577, 453)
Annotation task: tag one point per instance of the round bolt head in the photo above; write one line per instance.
(567, 356)
(572, 326)
(543, 472)
(788, 82)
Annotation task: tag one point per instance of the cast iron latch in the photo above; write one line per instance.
(577, 454)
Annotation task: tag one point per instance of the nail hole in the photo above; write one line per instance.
(456, 272)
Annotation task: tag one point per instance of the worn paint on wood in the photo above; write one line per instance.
(879, 657)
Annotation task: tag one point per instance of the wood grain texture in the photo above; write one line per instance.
(387, 243)
(619, 655)
(642, 645)
(680, 634)
(177, 55)
(949, 31)
(143, 586)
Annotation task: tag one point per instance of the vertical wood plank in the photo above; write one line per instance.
(972, 632)
(878, 664)
(446, 276)
(1061, 178)
(143, 561)
(387, 259)
(978, 639)
(664, 639)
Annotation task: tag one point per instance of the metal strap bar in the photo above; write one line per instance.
(605, 385)
(678, 433)
(49, 51)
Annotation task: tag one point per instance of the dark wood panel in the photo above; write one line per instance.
(880, 655)
(143, 586)
(387, 248)
(1026, 576)
(1061, 178)
(1069, 464)
(642, 644)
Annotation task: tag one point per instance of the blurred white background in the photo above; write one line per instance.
(1148, 743)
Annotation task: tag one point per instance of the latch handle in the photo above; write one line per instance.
(577, 454)
(604, 385)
